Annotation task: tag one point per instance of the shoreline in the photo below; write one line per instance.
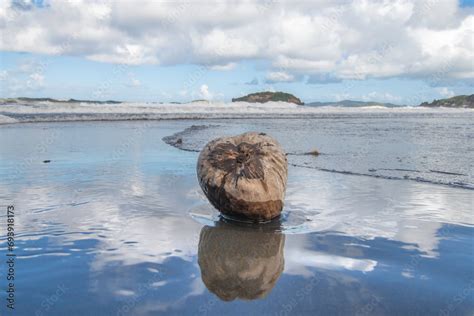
(178, 140)
(321, 113)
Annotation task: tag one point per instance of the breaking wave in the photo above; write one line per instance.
(46, 111)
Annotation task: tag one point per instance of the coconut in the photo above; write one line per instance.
(244, 176)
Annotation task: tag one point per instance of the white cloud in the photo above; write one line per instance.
(279, 76)
(35, 81)
(225, 67)
(3, 75)
(205, 93)
(134, 82)
(381, 97)
(445, 92)
(253, 82)
(270, 88)
(26, 77)
(341, 96)
(418, 38)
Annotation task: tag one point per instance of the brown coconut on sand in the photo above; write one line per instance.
(244, 176)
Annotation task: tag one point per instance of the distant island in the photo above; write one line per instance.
(352, 104)
(266, 96)
(31, 100)
(460, 101)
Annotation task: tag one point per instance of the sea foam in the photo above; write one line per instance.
(46, 111)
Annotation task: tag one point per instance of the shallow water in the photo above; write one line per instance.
(116, 224)
(423, 147)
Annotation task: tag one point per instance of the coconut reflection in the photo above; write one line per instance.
(239, 261)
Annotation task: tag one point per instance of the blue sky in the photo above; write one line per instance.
(319, 53)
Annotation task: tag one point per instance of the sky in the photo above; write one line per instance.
(399, 51)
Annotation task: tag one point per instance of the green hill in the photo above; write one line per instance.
(460, 101)
(262, 97)
(33, 100)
